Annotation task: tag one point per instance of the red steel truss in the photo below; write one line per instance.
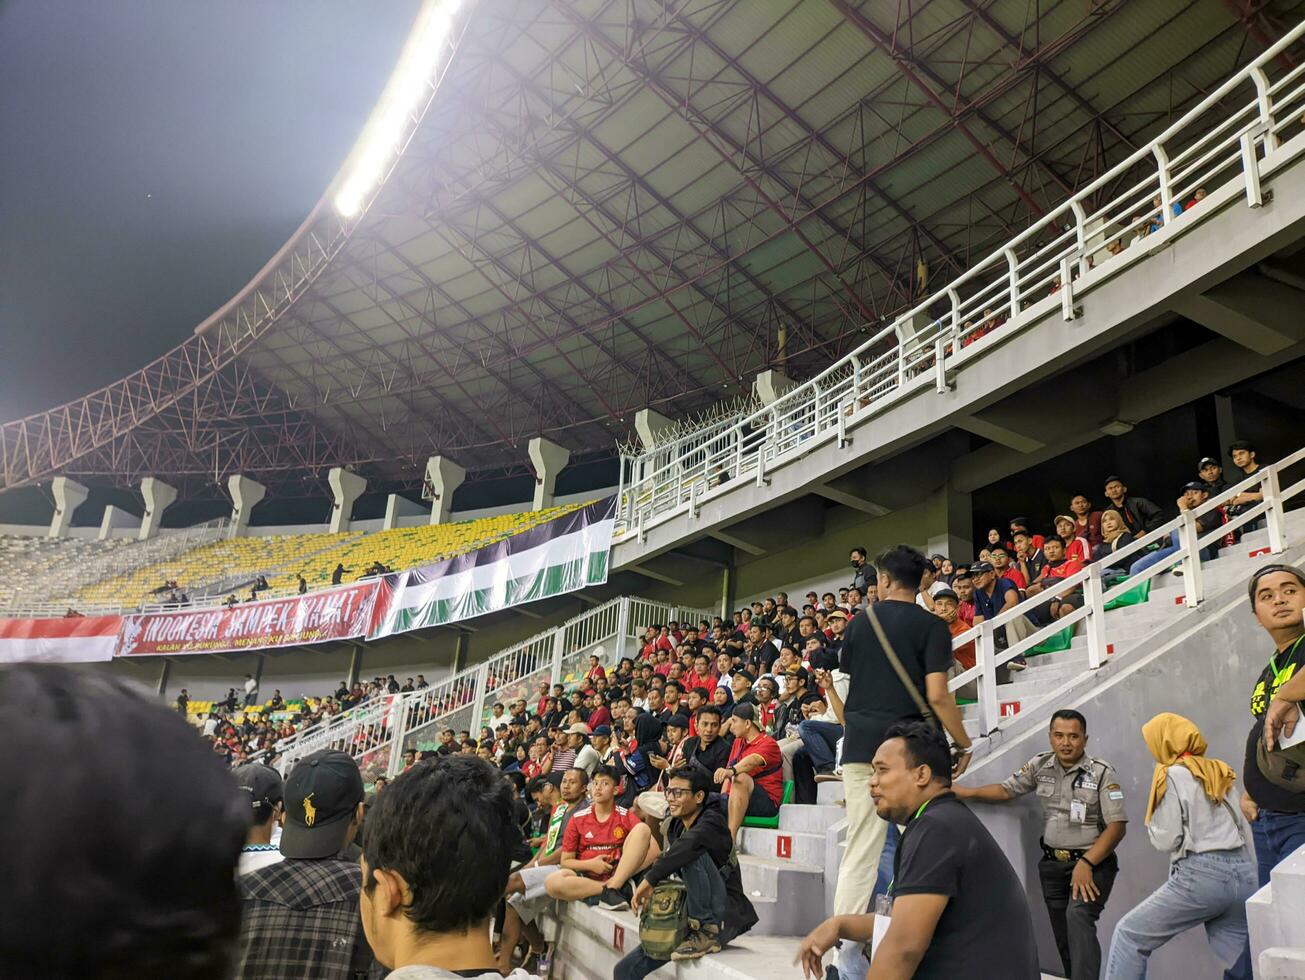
(613, 204)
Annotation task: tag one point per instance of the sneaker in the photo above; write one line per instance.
(1016, 665)
(829, 776)
(615, 899)
(698, 943)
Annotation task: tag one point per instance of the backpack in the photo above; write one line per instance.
(665, 919)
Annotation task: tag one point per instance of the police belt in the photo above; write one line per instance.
(1060, 853)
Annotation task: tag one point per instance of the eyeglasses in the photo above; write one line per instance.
(675, 794)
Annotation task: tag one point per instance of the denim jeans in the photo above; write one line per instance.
(1277, 834)
(1155, 557)
(819, 739)
(851, 959)
(1208, 889)
(704, 900)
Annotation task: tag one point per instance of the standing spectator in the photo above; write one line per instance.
(958, 907)
(436, 868)
(338, 573)
(1277, 814)
(877, 699)
(1084, 821)
(862, 573)
(123, 862)
(183, 702)
(251, 690)
(1086, 520)
(266, 792)
(1243, 457)
(301, 914)
(303, 583)
(699, 852)
(1192, 814)
(1139, 514)
(1210, 472)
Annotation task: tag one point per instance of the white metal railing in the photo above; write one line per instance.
(1043, 271)
(377, 732)
(1096, 595)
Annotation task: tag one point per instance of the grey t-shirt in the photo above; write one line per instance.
(435, 973)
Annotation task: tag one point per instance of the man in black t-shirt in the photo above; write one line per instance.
(1277, 815)
(958, 909)
(876, 699)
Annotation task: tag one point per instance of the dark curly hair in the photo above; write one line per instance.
(124, 831)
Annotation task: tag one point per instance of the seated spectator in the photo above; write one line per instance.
(1087, 522)
(752, 777)
(767, 695)
(636, 766)
(1076, 548)
(700, 853)
(1001, 563)
(266, 794)
(992, 597)
(1243, 457)
(1114, 535)
(435, 870)
(526, 895)
(957, 902)
(301, 914)
(1028, 558)
(1018, 524)
(1196, 199)
(1139, 514)
(1194, 495)
(122, 859)
(946, 607)
(603, 847)
(1063, 602)
(963, 586)
(1210, 472)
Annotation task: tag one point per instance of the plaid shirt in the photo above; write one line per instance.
(300, 919)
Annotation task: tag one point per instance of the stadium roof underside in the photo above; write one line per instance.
(614, 204)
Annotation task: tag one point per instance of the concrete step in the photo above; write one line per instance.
(1281, 963)
(809, 817)
(802, 847)
(789, 896)
(830, 794)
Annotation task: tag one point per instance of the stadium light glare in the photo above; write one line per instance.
(408, 89)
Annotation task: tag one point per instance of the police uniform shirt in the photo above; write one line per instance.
(1077, 803)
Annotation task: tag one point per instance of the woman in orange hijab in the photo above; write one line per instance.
(1193, 814)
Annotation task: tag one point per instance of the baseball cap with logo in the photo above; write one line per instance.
(262, 783)
(322, 794)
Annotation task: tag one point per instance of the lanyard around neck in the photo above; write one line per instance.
(1273, 661)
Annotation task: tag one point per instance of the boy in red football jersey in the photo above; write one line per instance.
(603, 847)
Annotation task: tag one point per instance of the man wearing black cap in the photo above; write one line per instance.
(265, 789)
(1210, 472)
(301, 914)
(1194, 495)
(752, 778)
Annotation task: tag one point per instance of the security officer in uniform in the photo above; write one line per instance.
(1083, 809)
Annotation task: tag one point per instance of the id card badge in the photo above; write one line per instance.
(883, 919)
(1077, 811)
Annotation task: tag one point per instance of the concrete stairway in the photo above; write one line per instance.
(1276, 916)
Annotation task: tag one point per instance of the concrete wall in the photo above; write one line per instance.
(1204, 672)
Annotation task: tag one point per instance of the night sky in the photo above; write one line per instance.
(153, 155)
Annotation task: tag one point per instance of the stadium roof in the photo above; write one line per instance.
(604, 205)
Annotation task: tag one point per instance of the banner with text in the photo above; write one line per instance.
(331, 614)
(565, 554)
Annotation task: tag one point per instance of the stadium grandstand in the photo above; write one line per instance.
(715, 406)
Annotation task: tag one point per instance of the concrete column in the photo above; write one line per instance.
(771, 385)
(396, 507)
(727, 577)
(346, 487)
(355, 664)
(1226, 426)
(443, 476)
(245, 496)
(549, 459)
(648, 424)
(460, 647)
(68, 496)
(158, 498)
(116, 517)
(164, 672)
(952, 525)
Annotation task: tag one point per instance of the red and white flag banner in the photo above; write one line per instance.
(330, 614)
(77, 639)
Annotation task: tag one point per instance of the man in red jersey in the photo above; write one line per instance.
(753, 778)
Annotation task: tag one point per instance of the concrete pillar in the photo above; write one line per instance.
(116, 517)
(952, 525)
(396, 507)
(158, 498)
(460, 647)
(549, 459)
(355, 664)
(346, 487)
(245, 496)
(771, 385)
(1226, 426)
(68, 496)
(164, 672)
(648, 424)
(443, 477)
(727, 577)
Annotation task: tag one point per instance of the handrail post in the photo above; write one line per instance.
(622, 628)
(1265, 103)
(1080, 235)
(398, 728)
(1188, 541)
(1066, 290)
(985, 650)
(1013, 281)
(1273, 518)
(1095, 600)
(1166, 192)
(940, 366)
(1251, 171)
(478, 701)
(559, 651)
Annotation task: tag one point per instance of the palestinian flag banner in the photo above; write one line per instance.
(563, 555)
